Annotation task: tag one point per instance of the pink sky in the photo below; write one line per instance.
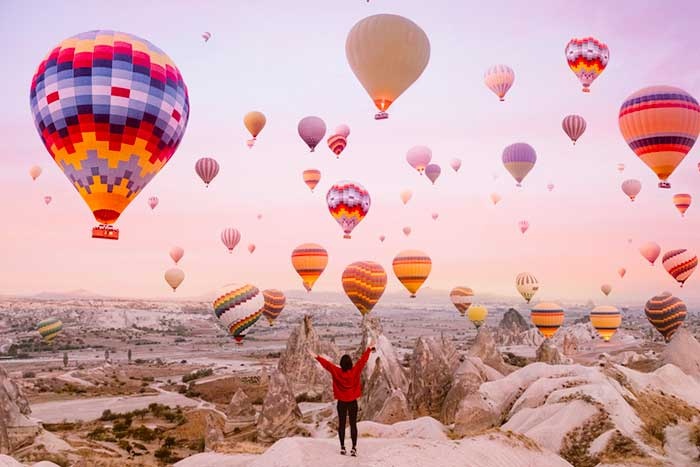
(287, 60)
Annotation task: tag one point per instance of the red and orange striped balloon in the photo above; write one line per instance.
(548, 317)
(309, 261)
(364, 283)
(666, 313)
(274, 304)
(680, 264)
(682, 202)
(337, 144)
(311, 178)
(412, 268)
(606, 320)
(462, 298)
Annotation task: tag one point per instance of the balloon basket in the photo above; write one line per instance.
(381, 116)
(664, 185)
(105, 231)
(346, 236)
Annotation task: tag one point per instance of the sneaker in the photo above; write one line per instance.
(353, 452)
(342, 451)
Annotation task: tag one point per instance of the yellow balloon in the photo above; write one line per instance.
(477, 314)
(412, 268)
(387, 53)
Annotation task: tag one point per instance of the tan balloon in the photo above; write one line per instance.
(387, 53)
(34, 171)
(174, 277)
(254, 122)
(406, 196)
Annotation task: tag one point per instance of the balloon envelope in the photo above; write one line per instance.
(419, 157)
(432, 171)
(462, 298)
(207, 168)
(406, 231)
(387, 53)
(311, 178)
(477, 314)
(251, 248)
(364, 283)
(49, 328)
(666, 313)
(456, 164)
(348, 203)
(309, 260)
(660, 124)
(111, 139)
(631, 188)
(548, 317)
(274, 304)
(495, 198)
(406, 196)
(34, 171)
(606, 289)
(238, 308)
(682, 202)
(342, 130)
(527, 285)
(412, 268)
(519, 159)
(176, 253)
(621, 272)
(254, 122)
(606, 320)
(680, 264)
(153, 202)
(523, 226)
(650, 251)
(499, 79)
(174, 277)
(230, 238)
(587, 58)
(47, 200)
(573, 126)
(311, 130)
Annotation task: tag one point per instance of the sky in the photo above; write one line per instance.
(287, 59)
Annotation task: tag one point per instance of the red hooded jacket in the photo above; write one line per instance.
(346, 384)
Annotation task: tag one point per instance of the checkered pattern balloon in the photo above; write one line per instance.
(111, 108)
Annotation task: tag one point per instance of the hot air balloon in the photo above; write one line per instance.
(462, 298)
(519, 159)
(432, 171)
(47, 200)
(666, 313)
(207, 168)
(523, 226)
(548, 317)
(419, 157)
(230, 238)
(682, 202)
(311, 178)
(527, 285)
(336, 143)
(387, 53)
(176, 253)
(606, 289)
(109, 139)
(495, 198)
(254, 122)
(680, 264)
(621, 272)
(499, 79)
(412, 268)
(477, 314)
(206, 36)
(34, 171)
(406, 196)
(311, 130)
(49, 328)
(251, 248)
(364, 283)
(259, 216)
(620, 167)
(631, 188)
(309, 260)
(456, 164)
(650, 251)
(274, 304)
(382, 238)
(348, 203)
(174, 277)
(606, 320)
(573, 126)
(587, 58)
(250, 143)
(153, 202)
(435, 216)
(238, 308)
(550, 186)
(342, 130)
(660, 124)
(406, 231)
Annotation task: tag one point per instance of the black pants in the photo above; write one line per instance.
(347, 410)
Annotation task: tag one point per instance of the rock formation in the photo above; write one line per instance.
(569, 345)
(516, 330)
(16, 429)
(433, 363)
(384, 379)
(213, 434)
(683, 351)
(548, 353)
(306, 377)
(240, 409)
(280, 412)
(485, 349)
(465, 382)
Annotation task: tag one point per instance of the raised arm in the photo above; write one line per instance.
(365, 356)
(324, 363)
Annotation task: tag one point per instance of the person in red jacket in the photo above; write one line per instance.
(347, 388)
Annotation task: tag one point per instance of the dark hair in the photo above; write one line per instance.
(346, 362)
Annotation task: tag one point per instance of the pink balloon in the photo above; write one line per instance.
(456, 164)
(176, 253)
(342, 130)
(523, 225)
(622, 272)
(207, 168)
(650, 251)
(230, 238)
(435, 216)
(550, 186)
(382, 238)
(432, 171)
(153, 202)
(47, 200)
(407, 231)
(251, 248)
(419, 157)
(311, 130)
(631, 188)
(573, 126)
(495, 198)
